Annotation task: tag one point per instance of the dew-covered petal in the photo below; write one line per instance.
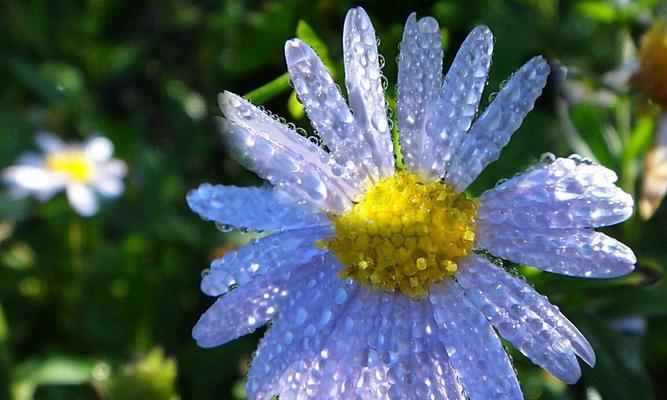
(415, 371)
(283, 157)
(562, 194)
(256, 208)
(458, 100)
(493, 129)
(295, 339)
(82, 199)
(419, 81)
(574, 252)
(337, 370)
(475, 351)
(522, 317)
(253, 304)
(98, 149)
(328, 111)
(261, 256)
(363, 80)
(540, 305)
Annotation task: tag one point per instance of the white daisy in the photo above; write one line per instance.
(79, 169)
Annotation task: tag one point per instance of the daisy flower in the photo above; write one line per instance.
(79, 169)
(375, 279)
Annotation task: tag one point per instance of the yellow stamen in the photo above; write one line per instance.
(72, 163)
(404, 234)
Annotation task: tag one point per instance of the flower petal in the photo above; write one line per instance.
(459, 98)
(109, 187)
(523, 317)
(563, 194)
(48, 142)
(35, 179)
(493, 129)
(328, 111)
(82, 199)
(364, 87)
(574, 252)
(289, 161)
(474, 350)
(253, 304)
(256, 208)
(286, 353)
(261, 256)
(419, 80)
(98, 148)
(338, 370)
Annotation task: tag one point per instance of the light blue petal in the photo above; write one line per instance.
(458, 100)
(493, 129)
(295, 340)
(328, 112)
(261, 256)
(337, 371)
(364, 87)
(525, 318)
(563, 194)
(283, 157)
(253, 304)
(474, 350)
(574, 252)
(255, 208)
(419, 81)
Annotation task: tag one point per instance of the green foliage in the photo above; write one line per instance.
(81, 298)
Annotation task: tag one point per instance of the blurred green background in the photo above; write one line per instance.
(102, 308)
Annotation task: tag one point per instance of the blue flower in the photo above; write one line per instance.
(375, 279)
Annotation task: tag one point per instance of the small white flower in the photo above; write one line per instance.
(79, 169)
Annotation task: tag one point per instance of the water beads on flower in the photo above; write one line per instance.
(404, 234)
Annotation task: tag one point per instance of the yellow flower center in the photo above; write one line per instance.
(404, 234)
(72, 163)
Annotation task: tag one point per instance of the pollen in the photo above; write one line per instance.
(71, 163)
(404, 234)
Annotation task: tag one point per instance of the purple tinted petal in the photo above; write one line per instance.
(458, 100)
(285, 158)
(328, 111)
(256, 208)
(277, 251)
(574, 252)
(419, 80)
(253, 304)
(493, 129)
(364, 87)
(474, 350)
(523, 317)
(286, 353)
(563, 194)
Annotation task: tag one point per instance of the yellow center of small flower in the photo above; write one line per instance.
(72, 163)
(404, 234)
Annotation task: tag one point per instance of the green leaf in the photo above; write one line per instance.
(618, 373)
(598, 10)
(294, 107)
(589, 122)
(56, 370)
(640, 139)
(31, 77)
(269, 90)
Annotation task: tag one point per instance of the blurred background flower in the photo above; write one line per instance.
(79, 169)
(83, 299)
